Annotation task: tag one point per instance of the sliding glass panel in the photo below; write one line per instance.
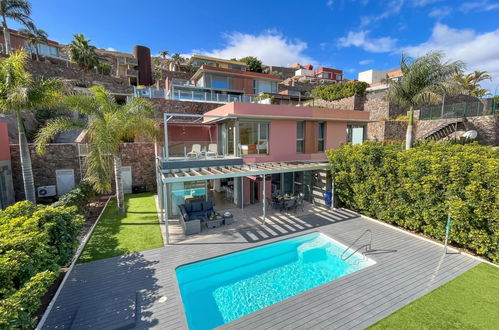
(357, 135)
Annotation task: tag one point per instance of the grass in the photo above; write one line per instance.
(117, 234)
(470, 301)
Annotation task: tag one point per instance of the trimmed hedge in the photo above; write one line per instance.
(35, 241)
(417, 188)
(340, 91)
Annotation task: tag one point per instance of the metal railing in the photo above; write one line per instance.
(459, 110)
(149, 92)
(186, 95)
(367, 246)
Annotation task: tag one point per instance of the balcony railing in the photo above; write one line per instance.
(149, 92)
(198, 96)
(127, 61)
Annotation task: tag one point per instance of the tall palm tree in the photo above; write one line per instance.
(424, 81)
(19, 92)
(108, 124)
(471, 82)
(83, 53)
(164, 54)
(177, 59)
(34, 37)
(16, 10)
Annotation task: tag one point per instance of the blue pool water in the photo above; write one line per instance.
(219, 290)
(189, 192)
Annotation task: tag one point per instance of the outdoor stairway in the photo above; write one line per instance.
(444, 130)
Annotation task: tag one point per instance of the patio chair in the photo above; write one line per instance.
(195, 151)
(212, 150)
(290, 204)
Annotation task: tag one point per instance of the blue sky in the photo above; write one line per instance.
(352, 35)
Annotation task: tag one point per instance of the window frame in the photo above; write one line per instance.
(321, 140)
(300, 140)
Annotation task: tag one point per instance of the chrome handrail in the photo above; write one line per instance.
(367, 246)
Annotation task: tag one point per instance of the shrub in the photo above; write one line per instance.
(417, 189)
(104, 68)
(340, 91)
(35, 241)
(78, 196)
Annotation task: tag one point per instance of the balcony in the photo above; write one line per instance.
(132, 73)
(149, 92)
(131, 61)
(204, 96)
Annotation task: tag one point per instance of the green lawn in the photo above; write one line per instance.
(470, 301)
(116, 234)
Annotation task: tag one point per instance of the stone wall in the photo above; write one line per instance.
(140, 156)
(52, 68)
(347, 103)
(386, 130)
(174, 106)
(379, 108)
(57, 157)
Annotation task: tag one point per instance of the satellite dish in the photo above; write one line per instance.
(470, 134)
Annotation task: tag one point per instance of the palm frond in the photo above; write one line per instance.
(52, 128)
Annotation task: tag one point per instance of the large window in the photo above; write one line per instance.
(320, 137)
(254, 137)
(219, 82)
(355, 134)
(300, 136)
(264, 86)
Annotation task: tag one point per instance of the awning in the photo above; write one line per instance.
(222, 172)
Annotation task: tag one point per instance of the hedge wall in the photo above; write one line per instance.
(340, 91)
(417, 188)
(35, 241)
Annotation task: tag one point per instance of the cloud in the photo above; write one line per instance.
(475, 49)
(440, 12)
(330, 3)
(365, 62)
(362, 40)
(111, 49)
(483, 5)
(270, 47)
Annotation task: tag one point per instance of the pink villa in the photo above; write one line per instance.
(246, 153)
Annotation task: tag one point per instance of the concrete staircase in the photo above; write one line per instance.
(444, 130)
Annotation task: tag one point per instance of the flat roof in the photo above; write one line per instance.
(207, 68)
(274, 111)
(215, 59)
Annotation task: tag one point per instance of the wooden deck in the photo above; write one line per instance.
(141, 291)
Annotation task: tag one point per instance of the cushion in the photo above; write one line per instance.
(186, 217)
(188, 207)
(196, 215)
(207, 206)
(196, 207)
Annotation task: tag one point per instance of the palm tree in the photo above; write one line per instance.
(16, 10)
(108, 124)
(177, 59)
(35, 37)
(82, 53)
(19, 92)
(164, 54)
(471, 82)
(425, 80)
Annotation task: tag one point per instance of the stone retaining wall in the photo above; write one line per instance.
(386, 130)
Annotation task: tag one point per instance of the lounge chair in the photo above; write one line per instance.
(195, 151)
(212, 150)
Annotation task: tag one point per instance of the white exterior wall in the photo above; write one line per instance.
(304, 72)
(373, 76)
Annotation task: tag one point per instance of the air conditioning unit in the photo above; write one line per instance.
(46, 191)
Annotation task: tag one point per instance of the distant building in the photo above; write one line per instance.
(322, 74)
(198, 60)
(19, 41)
(377, 79)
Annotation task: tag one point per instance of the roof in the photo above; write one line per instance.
(215, 59)
(287, 112)
(328, 70)
(22, 35)
(207, 68)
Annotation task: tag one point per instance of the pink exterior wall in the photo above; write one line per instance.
(4, 142)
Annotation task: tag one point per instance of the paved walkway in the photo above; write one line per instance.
(140, 290)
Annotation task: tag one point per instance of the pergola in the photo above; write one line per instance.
(169, 176)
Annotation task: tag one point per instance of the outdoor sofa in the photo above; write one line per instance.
(192, 214)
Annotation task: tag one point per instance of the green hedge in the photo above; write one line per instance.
(35, 241)
(417, 188)
(340, 91)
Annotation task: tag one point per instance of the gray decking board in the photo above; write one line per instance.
(412, 269)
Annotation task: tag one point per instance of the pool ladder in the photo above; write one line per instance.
(367, 246)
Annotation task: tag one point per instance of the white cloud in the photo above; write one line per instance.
(362, 40)
(365, 62)
(330, 3)
(422, 3)
(475, 49)
(440, 12)
(392, 7)
(482, 5)
(270, 47)
(111, 49)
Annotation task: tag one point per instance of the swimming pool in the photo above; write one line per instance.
(219, 290)
(189, 192)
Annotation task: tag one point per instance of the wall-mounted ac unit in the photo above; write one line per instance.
(46, 191)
